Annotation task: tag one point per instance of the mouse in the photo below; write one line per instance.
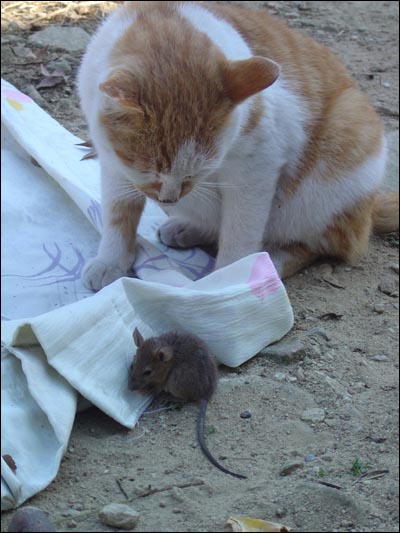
(181, 365)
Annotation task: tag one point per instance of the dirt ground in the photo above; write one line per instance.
(346, 317)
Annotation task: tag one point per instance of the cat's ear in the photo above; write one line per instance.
(122, 87)
(247, 77)
(137, 337)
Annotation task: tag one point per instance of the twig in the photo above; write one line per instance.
(121, 488)
(327, 484)
(149, 492)
(374, 474)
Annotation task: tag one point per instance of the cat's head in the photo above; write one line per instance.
(172, 116)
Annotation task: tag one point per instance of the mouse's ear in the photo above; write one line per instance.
(165, 354)
(137, 337)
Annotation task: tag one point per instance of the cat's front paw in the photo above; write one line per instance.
(178, 233)
(97, 274)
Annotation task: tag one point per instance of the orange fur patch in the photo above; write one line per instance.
(125, 215)
(348, 235)
(385, 213)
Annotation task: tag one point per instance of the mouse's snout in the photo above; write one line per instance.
(133, 384)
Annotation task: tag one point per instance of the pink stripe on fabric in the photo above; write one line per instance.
(17, 96)
(264, 279)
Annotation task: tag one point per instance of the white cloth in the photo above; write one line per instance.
(58, 338)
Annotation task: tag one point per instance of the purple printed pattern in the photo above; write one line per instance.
(58, 272)
(190, 262)
(263, 280)
(94, 213)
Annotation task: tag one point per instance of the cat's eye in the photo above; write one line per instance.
(147, 372)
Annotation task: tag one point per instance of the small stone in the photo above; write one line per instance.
(72, 524)
(318, 331)
(309, 458)
(290, 468)
(78, 507)
(280, 376)
(61, 65)
(379, 308)
(176, 511)
(386, 84)
(178, 494)
(286, 352)
(314, 414)
(280, 513)
(119, 515)
(394, 267)
(162, 504)
(388, 287)
(245, 414)
(380, 357)
(67, 38)
(300, 374)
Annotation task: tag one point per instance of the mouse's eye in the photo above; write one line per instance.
(147, 372)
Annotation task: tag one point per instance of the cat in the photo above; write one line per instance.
(247, 133)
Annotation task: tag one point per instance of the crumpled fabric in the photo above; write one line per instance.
(61, 342)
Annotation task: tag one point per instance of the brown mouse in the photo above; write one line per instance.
(179, 364)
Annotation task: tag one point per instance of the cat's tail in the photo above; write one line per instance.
(385, 213)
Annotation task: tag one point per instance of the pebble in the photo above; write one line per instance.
(388, 287)
(318, 331)
(290, 468)
(60, 64)
(314, 414)
(245, 414)
(280, 513)
(379, 308)
(386, 84)
(300, 374)
(309, 458)
(72, 524)
(70, 38)
(380, 357)
(280, 376)
(162, 504)
(119, 515)
(394, 267)
(286, 352)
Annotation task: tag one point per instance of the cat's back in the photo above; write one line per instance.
(308, 66)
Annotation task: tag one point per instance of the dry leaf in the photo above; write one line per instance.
(10, 462)
(246, 523)
(51, 79)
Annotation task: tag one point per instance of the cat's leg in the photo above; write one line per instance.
(290, 259)
(180, 232)
(118, 241)
(245, 211)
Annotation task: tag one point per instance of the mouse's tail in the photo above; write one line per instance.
(203, 446)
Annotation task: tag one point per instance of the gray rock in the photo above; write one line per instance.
(290, 468)
(119, 515)
(318, 331)
(31, 91)
(286, 352)
(279, 376)
(71, 39)
(380, 357)
(388, 287)
(309, 458)
(394, 267)
(337, 387)
(313, 414)
(379, 308)
(60, 64)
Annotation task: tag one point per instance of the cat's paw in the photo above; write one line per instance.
(178, 233)
(97, 274)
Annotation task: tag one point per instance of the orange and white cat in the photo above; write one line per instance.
(247, 133)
